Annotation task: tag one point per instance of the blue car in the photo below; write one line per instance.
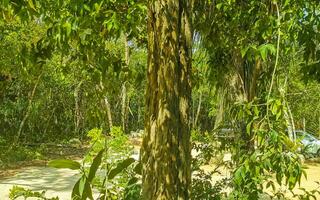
(310, 143)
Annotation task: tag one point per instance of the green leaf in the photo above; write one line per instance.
(97, 6)
(67, 25)
(269, 184)
(120, 167)
(279, 178)
(75, 195)
(82, 184)
(82, 189)
(69, 164)
(138, 168)
(87, 193)
(31, 4)
(248, 127)
(278, 115)
(86, 7)
(304, 173)
(275, 109)
(142, 6)
(95, 165)
(264, 49)
(237, 176)
(244, 51)
(219, 5)
(132, 181)
(287, 2)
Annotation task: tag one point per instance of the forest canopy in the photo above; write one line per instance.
(222, 77)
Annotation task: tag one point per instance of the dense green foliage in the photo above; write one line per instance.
(77, 69)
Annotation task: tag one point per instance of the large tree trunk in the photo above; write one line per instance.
(248, 74)
(165, 152)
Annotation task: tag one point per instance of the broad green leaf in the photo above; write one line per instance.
(120, 167)
(87, 193)
(264, 49)
(95, 165)
(82, 190)
(82, 184)
(237, 176)
(75, 195)
(219, 5)
(70, 164)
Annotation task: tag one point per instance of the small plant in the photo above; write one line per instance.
(204, 188)
(111, 171)
(16, 192)
(270, 151)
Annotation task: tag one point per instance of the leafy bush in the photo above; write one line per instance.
(200, 136)
(107, 167)
(204, 188)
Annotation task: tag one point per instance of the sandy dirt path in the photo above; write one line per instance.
(56, 182)
(59, 182)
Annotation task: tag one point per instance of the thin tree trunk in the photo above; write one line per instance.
(165, 152)
(24, 119)
(198, 111)
(254, 80)
(106, 104)
(109, 114)
(290, 125)
(77, 112)
(49, 121)
(125, 102)
(319, 128)
(304, 124)
(219, 116)
(124, 109)
(294, 137)
(193, 112)
(139, 112)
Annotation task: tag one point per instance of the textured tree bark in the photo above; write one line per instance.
(165, 152)
(248, 74)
